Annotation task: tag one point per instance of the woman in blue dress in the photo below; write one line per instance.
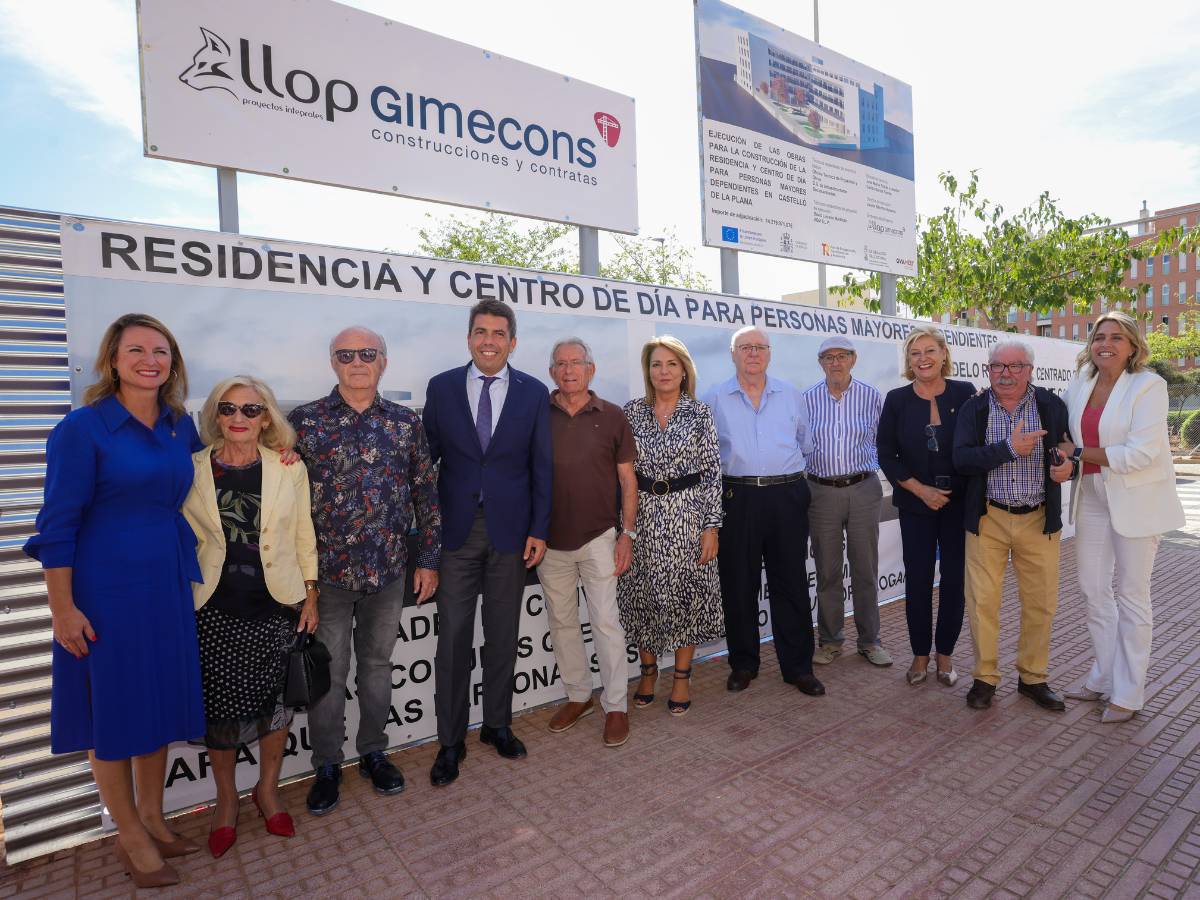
(118, 557)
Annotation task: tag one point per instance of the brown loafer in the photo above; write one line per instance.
(616, 729)
(570, 713)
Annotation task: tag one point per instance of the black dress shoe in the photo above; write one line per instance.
(386, 777)
(980, 695)
(808, 684)
(1042, 695)
(445, 767)
(506, 743)
(739, 680)
(323, 795)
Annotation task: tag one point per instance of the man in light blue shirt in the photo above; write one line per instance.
(762, 427)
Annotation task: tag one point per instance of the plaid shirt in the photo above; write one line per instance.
(370, 473)
(1021, 481)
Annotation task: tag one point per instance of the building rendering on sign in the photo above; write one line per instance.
(821, 106)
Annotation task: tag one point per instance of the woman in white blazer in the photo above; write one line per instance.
(1123, 500)
(258, 558)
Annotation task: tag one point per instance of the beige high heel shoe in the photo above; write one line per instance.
(164, 876)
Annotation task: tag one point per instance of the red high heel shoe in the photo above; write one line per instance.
(280, 824)
(221, 840)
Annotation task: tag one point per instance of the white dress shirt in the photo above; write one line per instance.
(499, 391)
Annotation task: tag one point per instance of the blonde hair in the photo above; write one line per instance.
(939, 338)
(278, 434)
(171, 393)
(676, 346)
(1127, 324)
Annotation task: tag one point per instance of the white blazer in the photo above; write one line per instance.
(1140, 477)
(288, 542)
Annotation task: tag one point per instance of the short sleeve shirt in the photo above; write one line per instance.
(586, 496)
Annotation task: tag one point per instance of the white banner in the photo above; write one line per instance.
(243, 304)
(804, 153)
(317, 91)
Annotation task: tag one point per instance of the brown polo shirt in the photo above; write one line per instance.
(586, 500)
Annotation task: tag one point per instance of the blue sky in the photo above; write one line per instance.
(1087, 100)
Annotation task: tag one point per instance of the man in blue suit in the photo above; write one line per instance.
(489, 426)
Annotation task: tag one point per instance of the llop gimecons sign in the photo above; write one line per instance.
(317, 91)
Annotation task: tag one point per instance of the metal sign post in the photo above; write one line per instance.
(227, 202)
(589, 251)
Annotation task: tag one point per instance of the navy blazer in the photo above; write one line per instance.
(516, 469)
(903, 446)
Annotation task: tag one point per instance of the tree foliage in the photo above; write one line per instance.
(502, 241)
(972, 257)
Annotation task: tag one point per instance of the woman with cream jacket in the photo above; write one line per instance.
(1123, 501)
(258, 560)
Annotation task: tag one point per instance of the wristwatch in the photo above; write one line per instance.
(629, 533)
(312, 586)
(1076, 460)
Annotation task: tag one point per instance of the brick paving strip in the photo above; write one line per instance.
(877, 790)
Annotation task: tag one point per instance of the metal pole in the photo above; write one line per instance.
(227, 202)
(887, 294)
(729, 271)
(589, 251)
(822, 286)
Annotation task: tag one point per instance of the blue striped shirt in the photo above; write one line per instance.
(770, 440)
(1021, 481)
(843, 431)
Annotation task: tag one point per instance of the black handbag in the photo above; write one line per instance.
(307, 677)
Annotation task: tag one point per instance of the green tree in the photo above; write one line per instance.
(971, 257)
(502, 241)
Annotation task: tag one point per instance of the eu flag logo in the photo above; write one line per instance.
(729, 235)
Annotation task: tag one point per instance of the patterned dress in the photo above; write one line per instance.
(667, 601)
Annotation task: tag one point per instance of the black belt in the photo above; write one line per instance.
(842, 481)
(660, 487)
(1016, 510)
(763, 480)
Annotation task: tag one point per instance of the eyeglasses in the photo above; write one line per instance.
(572, 364)
(249, 410)
(753, 348)
(836, 357)
(1015, 368)
(366, 354)
(931, 438)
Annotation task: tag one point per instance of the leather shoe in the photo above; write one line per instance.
(980, 695)
(616, 729)
(386, 778)
(323, 795)
(808, 684)
(739, 680)
(569, 713)
(445, 767)
(1042, 695)
(506, 743)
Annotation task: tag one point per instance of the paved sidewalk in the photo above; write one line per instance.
(877, 790)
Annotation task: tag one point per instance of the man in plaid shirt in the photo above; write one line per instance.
(1005, 443)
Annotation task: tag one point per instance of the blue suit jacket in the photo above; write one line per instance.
(516, 470)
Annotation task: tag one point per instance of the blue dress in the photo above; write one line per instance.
(114, 489)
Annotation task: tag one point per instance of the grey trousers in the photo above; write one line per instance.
(846, 517)
(372, 622)
(476, 568)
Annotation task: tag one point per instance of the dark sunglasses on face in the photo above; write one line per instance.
(366, 354)
(249, 410)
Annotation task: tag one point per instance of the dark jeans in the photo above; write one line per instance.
(372, 622)
(766, 526)
(922, 536)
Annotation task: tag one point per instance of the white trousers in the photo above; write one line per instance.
(560, 573)
(1114, 577)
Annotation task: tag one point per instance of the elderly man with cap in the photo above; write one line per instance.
(843, 414)
(763, 431)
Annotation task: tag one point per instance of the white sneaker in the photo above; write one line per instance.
(826, 653)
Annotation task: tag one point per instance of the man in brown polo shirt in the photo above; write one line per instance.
(594, 491)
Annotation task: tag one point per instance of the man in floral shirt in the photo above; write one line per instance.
(371, 473)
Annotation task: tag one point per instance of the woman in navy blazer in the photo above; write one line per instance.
(915, 442)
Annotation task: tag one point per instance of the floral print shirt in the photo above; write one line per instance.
(371, 473)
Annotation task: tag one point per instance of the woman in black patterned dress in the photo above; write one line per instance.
(670, 599)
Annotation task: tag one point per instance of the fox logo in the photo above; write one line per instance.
(208, 65)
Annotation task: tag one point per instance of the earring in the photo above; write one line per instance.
(115, 377)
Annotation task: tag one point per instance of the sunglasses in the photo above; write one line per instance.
(366, 354)
(249, 410)
(931, 435)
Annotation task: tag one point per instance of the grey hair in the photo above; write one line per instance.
(1011, 344)
(365, 330)
(746, 330)
(572, 341)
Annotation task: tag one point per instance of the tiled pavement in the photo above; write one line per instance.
(877, 790)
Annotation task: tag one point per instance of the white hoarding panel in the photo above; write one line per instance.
(317, 91)
(804, 153)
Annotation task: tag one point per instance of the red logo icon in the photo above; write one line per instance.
(609, 127)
